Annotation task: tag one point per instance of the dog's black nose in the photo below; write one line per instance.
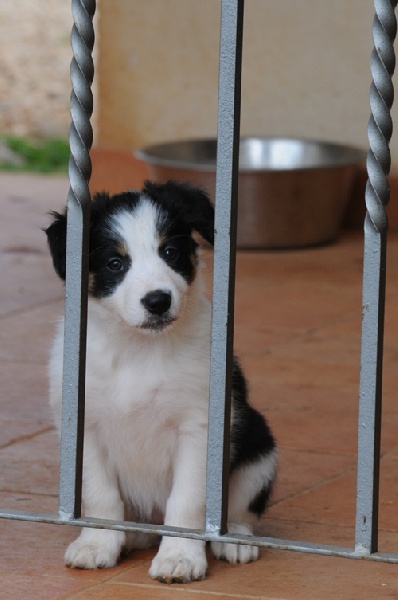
(157, 302)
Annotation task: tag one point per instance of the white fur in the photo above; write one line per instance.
(146, 416)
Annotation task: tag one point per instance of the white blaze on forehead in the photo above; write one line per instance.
(138, 228)
(136, 232)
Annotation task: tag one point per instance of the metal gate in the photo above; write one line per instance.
(374, 275)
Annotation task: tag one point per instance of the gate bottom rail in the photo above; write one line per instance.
(208, 536)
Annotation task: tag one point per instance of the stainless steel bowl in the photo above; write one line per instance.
(292, 192)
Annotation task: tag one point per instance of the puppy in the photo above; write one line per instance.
(147, 385)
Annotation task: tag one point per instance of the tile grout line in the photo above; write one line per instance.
(316, 486)
(192, 591)
(311, 451)
(327, 480)
(26, 437)
(322, 523)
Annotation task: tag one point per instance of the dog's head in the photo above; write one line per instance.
(143, 256)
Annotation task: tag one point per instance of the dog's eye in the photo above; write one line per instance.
(115, 264)
(170, 253)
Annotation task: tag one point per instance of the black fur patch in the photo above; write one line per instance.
(185, 204)
(56, 238)
(258, 505)
(251, 438)
(177, 248)
(108, 265)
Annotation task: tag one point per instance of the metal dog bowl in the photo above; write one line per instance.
(292, 192)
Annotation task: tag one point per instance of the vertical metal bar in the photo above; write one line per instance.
(224, 263)
(374, 277)
(80, 137)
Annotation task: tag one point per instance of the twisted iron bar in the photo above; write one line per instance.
(374, 279)
(81, 101)
(380, 123)
(76, 283)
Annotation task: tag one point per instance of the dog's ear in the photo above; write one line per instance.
(56, 237)
(191, 203)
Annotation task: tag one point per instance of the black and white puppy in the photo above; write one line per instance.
(147, 385)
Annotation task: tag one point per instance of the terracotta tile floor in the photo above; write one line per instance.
(297, 332)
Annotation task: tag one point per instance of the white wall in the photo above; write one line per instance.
(305, 69)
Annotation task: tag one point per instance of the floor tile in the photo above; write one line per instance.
(24, 392)
(323, 533)
(26, 201)
(298, 290)
(29, 549)
(388, 507)
(31, 466)
(27, 336)
(36, 586)
(302, 530)
(333, 501)
(121, 591)
(307, 417)
(30, 281)
(24, 260)
(300, 471)
(13, 430)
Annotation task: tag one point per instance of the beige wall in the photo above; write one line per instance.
(305, 69)
(35, 56)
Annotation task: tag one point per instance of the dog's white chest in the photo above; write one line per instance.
(138, 414)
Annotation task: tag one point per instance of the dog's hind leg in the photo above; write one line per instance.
(249, 491)
(237, 553)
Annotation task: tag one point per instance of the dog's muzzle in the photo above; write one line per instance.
(157, 304)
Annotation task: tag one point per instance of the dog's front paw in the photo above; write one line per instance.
(98, 551)
(236, 553)
(179, 561)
